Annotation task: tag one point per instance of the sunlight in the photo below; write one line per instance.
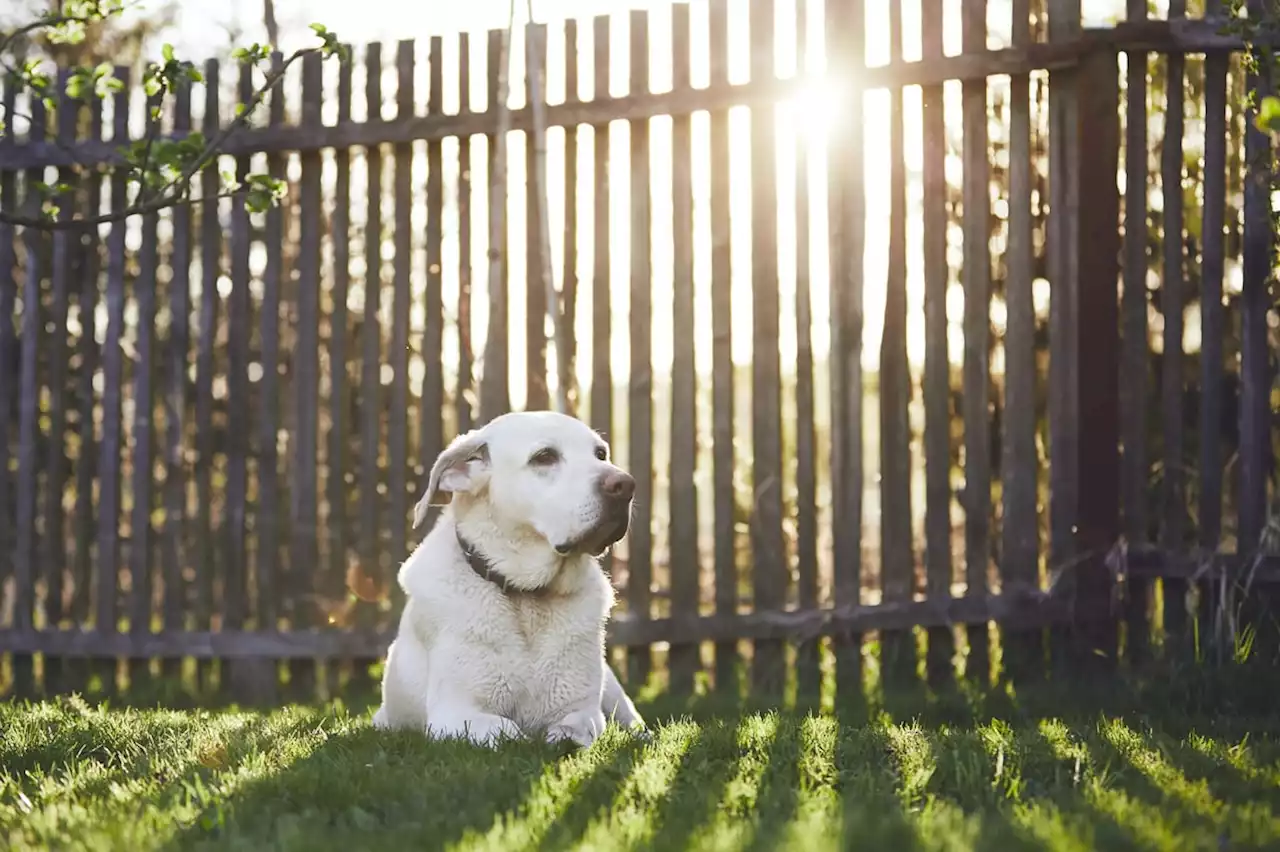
(755, 737)
(549, 799)
(649, 782)
(821, 104)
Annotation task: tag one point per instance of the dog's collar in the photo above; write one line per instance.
(485, 570)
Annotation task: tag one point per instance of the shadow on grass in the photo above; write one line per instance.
(66, 733)
(697, 788)
(601, 785)
(106, 764)
(1210, 761)
(1004, 785)
(1179, 699)
(872, 814)
(779, 794)
(210, 685)
(411, 792)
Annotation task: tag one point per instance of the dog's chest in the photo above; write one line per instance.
(554, 662)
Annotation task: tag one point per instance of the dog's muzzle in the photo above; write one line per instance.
(617, 488)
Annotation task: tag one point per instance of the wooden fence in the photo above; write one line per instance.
(214, 423)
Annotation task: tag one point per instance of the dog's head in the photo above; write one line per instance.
(538, 471)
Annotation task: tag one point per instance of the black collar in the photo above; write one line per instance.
(485, 570)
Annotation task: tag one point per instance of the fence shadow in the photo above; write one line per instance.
(412, 792)
(1012, 766)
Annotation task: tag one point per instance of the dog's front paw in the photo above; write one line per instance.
(481, 729)
(639, 732)
(581, 727)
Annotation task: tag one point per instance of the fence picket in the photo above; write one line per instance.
(30, 435)
(374, 569)
(401, 296)
(465, 389)
(305, 361)
(173, 550)
(8, 340)
(1022, 651)
(495, 380)
(897, 649)
(143, 433)
(601, 418)
(238, 319)
(431, 437)
(337, 489)
(640, 385)
(1255, 383)
(1212, 320)
(937, 366)
(1134, 365)
(89, 355)
(113, 380)
(566, 362)
(537, 396)
(977, 335)
(847, 238)
(53, 555)
(1172, 306)
(768, 549)
(267, 514)
(684, 565)
(808, 661)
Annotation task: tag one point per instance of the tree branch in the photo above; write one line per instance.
(47, 22)
(176, 190)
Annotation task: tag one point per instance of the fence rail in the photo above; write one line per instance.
(1187, 36)
(213, 422)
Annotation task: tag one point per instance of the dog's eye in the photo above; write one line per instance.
(602, 453)
(544, 457)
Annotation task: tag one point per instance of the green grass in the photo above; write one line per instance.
(1051, 769)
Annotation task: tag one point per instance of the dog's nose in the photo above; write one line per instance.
(617, 485)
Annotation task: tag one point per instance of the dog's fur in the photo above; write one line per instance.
(529, 493)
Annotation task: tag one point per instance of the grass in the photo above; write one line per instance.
(1050, 769)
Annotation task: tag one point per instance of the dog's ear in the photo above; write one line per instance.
(452, 472)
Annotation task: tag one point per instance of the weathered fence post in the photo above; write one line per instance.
(1255, 360)
(847, 52)
(1084, 333)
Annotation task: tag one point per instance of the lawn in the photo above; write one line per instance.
(1055, 768)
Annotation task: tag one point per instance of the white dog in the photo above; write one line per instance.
(503, 629)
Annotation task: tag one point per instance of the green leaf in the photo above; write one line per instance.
(167, 52)
(1268, 118)
(70, 32)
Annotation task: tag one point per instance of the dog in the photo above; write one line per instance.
(503, 631)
